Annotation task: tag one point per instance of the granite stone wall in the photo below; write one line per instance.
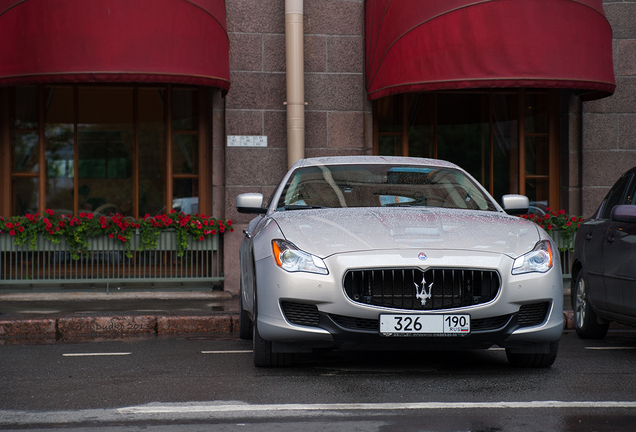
(609, 125)
(338, 116)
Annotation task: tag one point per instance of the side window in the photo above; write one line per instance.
(630, 196)
(615, 196)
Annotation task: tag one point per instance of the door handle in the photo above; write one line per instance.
(247, 233)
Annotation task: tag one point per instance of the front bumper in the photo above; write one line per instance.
(329, 319)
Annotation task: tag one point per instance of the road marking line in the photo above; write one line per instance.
(228, 352)
(172, 409)
(95, 354)
(610, 348)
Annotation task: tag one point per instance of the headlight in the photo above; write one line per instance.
(290, 258)
(539, 259)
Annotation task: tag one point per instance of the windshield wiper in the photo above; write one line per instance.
(302, 207)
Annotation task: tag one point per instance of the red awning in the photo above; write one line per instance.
(457, 44)
(167, 41)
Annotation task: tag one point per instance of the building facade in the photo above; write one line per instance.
(525, 97)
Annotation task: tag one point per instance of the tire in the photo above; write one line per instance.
(586, 322)
(534, 360)
(245, 323)
(263, 355)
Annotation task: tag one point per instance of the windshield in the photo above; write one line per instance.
(378, 185)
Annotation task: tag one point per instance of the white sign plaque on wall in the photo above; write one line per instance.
(246, 141)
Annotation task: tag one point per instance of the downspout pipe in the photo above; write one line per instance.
(294, 34)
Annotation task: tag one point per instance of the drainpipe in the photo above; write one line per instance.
(295, 81)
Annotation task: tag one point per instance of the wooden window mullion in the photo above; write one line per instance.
(75, 151)
(41, 150)
(168, 114)
(136, 154)
(7, 157)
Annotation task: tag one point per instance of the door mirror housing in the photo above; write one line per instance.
(624, 213)
(250, 203)
(515, 205)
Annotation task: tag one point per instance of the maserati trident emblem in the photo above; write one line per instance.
(422, 295)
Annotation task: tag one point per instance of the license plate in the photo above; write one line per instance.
(424, 325)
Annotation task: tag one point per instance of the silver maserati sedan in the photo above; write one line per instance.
(382, 253)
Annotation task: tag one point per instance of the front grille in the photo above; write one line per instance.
(533, 314)
(413, 289)
(301, 313)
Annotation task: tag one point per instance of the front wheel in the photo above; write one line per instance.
(586, 322)
(534, 360)
(263, 355)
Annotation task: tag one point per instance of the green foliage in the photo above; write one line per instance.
(77, 230)
(559, 221)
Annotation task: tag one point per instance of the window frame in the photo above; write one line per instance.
(552, 135)
(7, 175)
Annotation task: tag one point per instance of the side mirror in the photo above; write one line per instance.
(250, 203)
(624, 213)
(515, 205)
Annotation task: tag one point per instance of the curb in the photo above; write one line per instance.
(83, 329)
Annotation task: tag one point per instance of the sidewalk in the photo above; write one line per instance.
(78, 317)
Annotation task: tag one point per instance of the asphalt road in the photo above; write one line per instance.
(188, 384)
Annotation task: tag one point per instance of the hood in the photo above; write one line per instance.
(326, 232)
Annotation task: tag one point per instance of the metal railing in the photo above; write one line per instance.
(106, 262)
(565, 253)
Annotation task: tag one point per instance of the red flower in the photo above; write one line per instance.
(546, 216)
(10, 225)
(201, 238)
(61, 224)
(50, 212)
(89, 216)
(229, 223)
(82, 215)
(45, 220)
(561, 212)
(110, 235)
(172, 211)
(12, 232)
(547, 209)
(568, 224)
(213, 232)
(21, 229)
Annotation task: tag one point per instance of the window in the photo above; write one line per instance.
(128, 150)
(615, 196)
(481, 131)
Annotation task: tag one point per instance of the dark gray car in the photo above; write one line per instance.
(604, 265)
